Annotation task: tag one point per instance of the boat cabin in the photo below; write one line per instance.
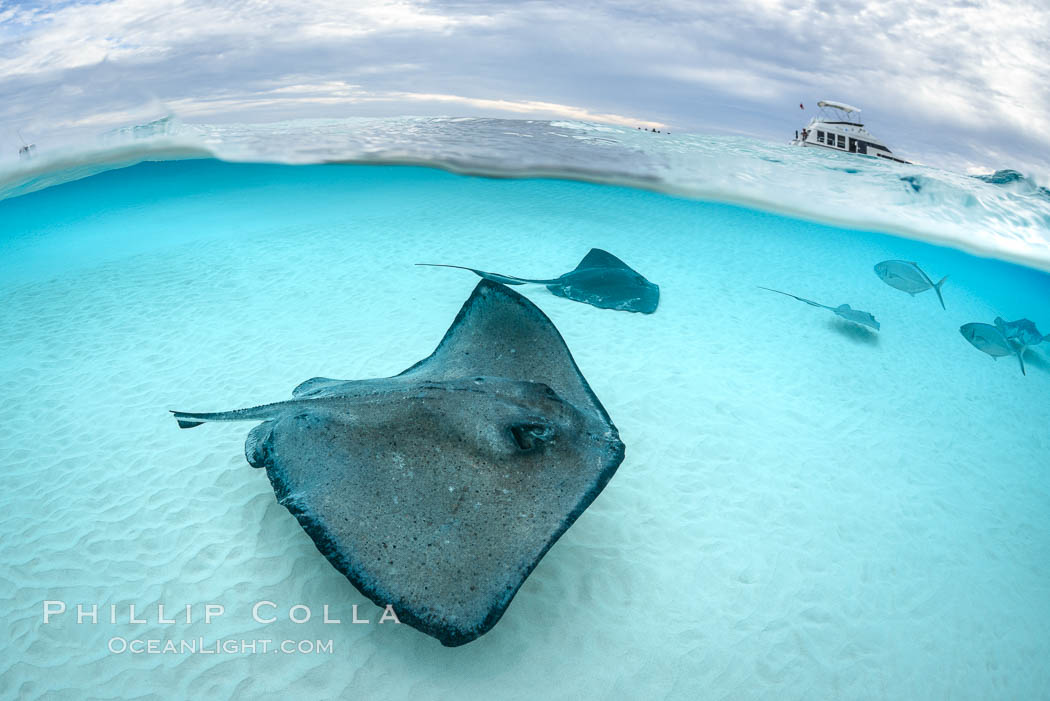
(838, 127)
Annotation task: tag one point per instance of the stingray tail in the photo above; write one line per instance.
(184, 420)
(937, 289)
(1020, 357)
(494, 277)
(187, 419)
(810, 302)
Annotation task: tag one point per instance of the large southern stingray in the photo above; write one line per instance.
(601, 279)
(843, 310)
(437, 491)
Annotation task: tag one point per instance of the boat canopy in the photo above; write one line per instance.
(838, 105)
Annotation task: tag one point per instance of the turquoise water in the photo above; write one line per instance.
(806, 509)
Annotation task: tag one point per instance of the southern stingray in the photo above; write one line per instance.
(601, 280)
(907, 276)
(843, 310)
(1024, 331)
(438, 490)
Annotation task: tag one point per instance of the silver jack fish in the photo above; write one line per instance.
(907, 276)
(988, 339)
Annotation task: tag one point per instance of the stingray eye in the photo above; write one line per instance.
(529, 436)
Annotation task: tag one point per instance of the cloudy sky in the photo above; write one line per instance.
(956, 83)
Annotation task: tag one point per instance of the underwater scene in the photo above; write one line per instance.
(458, 408)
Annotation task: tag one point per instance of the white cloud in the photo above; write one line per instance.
(134, 30)
(948, 83)
(732, 81)
(530, 107)
(342, 94)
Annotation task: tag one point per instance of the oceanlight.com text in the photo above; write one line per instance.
(198, 646)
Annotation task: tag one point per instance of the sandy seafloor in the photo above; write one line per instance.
(806, 510)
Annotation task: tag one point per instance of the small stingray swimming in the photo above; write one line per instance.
(907, 276)
(1024, 331)
(844, 310)
(989, 339)
(438, 490)
(601, 280)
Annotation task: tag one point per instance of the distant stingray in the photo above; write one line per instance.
(601, 279)
(907, 276)
(438, 490)
(844, 310)
(1024, 331)
(988, 339)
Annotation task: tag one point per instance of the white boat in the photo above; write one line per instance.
(838, 128)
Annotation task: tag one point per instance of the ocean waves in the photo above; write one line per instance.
(1002, 215)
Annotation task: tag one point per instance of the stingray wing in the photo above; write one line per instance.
(597, 258)
(604, 281)
(497, 333)
(318, 386)
(500, 333)
(856, 316)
